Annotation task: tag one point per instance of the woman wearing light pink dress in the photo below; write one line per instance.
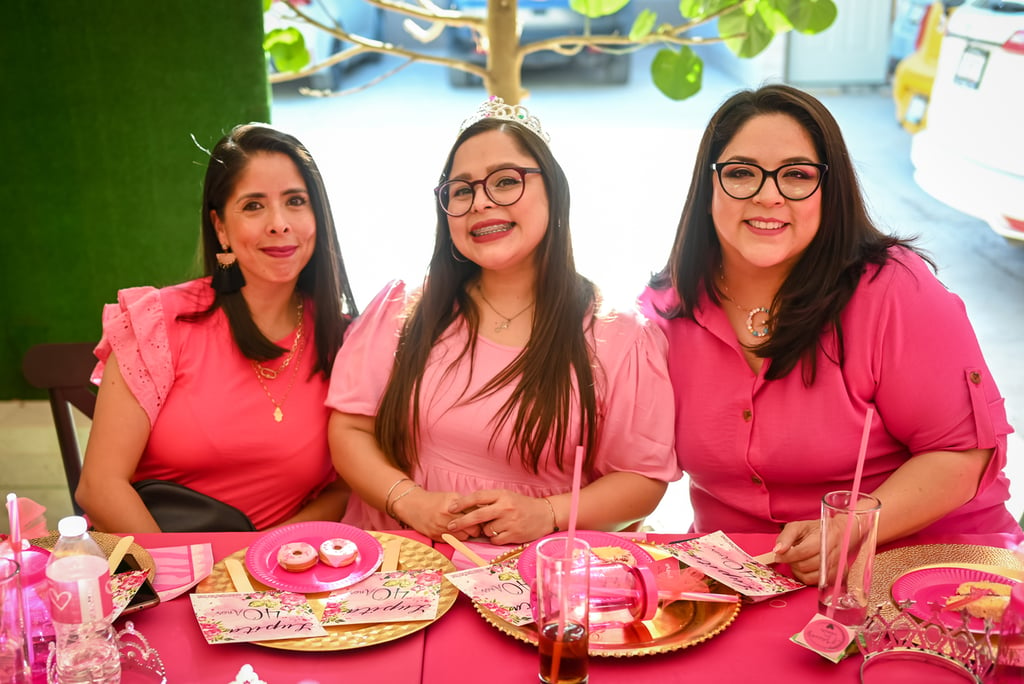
(460, 404)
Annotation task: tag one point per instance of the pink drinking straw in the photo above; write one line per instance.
(574, 509)
(14, 521)
(854, 495)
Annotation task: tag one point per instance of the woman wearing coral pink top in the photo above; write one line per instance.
(218, 383)
(788, 315)
(459, 404)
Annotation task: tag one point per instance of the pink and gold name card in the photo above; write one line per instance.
(398, 596)
(255, 616)
(720, 558)
(498, 588)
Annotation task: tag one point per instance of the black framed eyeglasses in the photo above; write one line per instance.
(743, 180)
(502, 186)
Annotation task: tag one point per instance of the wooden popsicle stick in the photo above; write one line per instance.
(392, 549)
(121, 548)
(238, 576)
(766, 558)
(465, 550)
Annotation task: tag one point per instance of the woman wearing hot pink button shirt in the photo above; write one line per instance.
(788, 314)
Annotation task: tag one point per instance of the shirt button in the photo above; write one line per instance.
(756, 480)
(747, 415)
(976, 377)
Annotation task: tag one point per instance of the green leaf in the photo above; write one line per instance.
(756, 33)
(643, 25)
(698, 9)
(808, 16)
(677, 74)
(267, 4)
(597, 8)
(287, 48)
(774, 20)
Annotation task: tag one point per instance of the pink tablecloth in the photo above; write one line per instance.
(462, 647)
(172, 629)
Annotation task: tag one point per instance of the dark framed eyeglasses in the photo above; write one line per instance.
(743, 180)
(502, 186)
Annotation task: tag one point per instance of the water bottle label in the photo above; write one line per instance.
(81, 600)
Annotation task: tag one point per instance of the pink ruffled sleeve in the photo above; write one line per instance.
(363, 365)
(638, 410)
(135, 330)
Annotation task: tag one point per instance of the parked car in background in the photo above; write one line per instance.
(906, 29)
(915, 73)
(353, 16)
(539, 20)
(971, 155)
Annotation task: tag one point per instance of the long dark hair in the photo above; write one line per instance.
(823, 280)
(323, 279)
(554, 365)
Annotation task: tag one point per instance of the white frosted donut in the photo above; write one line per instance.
(296, 556)
(338, 552)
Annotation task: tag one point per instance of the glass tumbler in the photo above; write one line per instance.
(562, 607)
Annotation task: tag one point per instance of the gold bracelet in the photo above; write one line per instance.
(554, 519)
(391, 490)
(398, 498)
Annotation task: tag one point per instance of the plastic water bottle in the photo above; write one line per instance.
(78, 579)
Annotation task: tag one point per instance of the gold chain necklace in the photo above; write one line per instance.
(272, 373)
(765, 324)
(298, 346)
(506, 320)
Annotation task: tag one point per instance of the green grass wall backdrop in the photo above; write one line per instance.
(101, 181)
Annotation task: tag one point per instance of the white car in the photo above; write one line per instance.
(971, 155)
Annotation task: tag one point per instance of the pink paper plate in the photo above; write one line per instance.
(929, 587)
(261, 557)
(528, 558)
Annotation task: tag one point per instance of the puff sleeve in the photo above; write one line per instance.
(136, 330)
(363, 365)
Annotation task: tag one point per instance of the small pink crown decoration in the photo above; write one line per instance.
(904, 636)
(495, 108)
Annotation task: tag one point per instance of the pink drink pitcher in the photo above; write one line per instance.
(619, 594)
(40, 626)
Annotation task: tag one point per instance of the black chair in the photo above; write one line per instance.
(63, 370)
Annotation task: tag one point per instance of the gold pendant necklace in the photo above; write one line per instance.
(270, 374)
(753, 328)
(505, 321)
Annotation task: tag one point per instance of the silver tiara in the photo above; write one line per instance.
(884, 638)
(495, 108)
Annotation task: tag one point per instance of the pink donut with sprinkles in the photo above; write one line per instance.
(296, 556)
(338, 552)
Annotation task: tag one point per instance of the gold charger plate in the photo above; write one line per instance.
(891, 565)
(676, 625)
(413, 556)
(106, 542)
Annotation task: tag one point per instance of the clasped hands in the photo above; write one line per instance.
(502, 516)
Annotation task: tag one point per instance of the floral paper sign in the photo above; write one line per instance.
(124, 586)
(256, 616)
(499, 589)
(720, 558)
(398, 596)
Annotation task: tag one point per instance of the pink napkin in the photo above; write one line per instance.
(179, 568)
